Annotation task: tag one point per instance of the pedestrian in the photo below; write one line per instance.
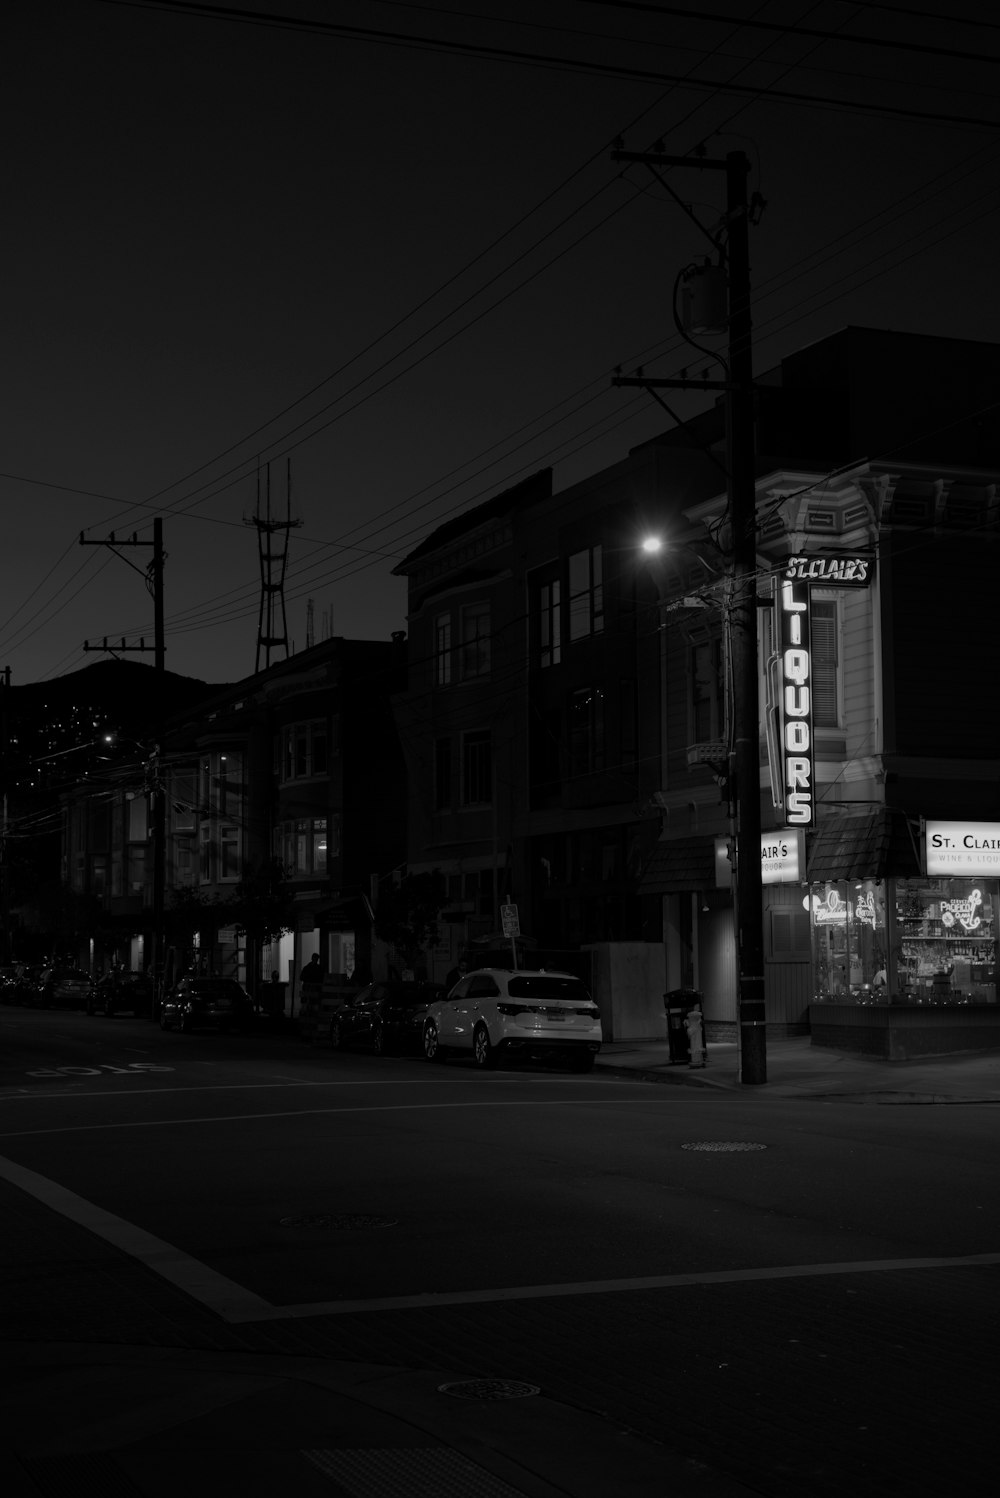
(456, 974)
(313, 970)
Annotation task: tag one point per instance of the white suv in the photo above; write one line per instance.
(491, 1013)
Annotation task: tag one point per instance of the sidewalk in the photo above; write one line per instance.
(796, 1068)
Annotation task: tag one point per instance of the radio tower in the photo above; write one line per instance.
(272, 545)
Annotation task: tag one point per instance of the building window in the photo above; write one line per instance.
(229, 853)
(442, 774)
(586, 594)
(304, 751)
(136, 871)
(306, 846)
(442, 650)
(138, 821)
(586, 731)
(707, 692)
(183, 797)
(823, 637)
(549, 624)
(475, 652)
(477, 768)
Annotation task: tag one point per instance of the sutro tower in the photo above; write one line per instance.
(272, 545)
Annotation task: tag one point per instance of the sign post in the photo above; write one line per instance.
(511, 926)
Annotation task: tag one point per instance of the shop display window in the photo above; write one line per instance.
(945, 942)
(848, 928)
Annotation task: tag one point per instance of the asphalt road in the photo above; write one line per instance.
(785, 1290)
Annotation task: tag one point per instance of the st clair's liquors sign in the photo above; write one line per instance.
(964, 849)
(830, 571)
(794, 580)
(798, 768)
(783, 856)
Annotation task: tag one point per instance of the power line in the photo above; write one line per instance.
(796, 29)
(552, 61)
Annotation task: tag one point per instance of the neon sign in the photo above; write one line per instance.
(963, 911)
(796, 702)
(864, 910)
(830, 911)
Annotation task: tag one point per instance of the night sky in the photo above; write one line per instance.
(411, 269)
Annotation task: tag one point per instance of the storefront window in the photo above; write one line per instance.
(847, 920)
(946, 934)
(938, 947)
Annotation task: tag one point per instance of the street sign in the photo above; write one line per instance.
(509, 920)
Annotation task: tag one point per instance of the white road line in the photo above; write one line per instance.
(224, 1118)
(48, 1096)
(219, 1294)
(235, 1304)
(615, 1287)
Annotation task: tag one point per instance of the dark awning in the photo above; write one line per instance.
(870, 844)
(344, 914)
(679, 864)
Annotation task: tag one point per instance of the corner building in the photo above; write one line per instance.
(567, 718)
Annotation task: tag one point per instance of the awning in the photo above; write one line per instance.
(870, 844)
(678, 865)
(344, 914)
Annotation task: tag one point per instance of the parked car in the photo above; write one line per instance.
(387, 1016)
(121, 993)
(206, 1003)
(22, 986)
(62, 988)
(533, 1014)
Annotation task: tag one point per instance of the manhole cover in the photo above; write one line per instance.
(348, 1220)
(722, 1146)
(489, 1388)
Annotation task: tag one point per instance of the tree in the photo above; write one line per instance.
(262, 905)
(407, 914)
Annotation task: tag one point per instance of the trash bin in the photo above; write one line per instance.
(678, 1003)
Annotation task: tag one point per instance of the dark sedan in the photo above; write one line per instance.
(206, 1003)
(389, 1017)
(121, 993)
(62, 988)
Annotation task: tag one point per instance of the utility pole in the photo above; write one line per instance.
(154, 772)
(7, 951)
(744, 753)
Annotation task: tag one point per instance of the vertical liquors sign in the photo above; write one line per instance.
(795, 655)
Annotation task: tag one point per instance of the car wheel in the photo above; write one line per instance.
(336, 1039)
(164, 1022)
(582, 1063)
(483, 1051)
(433, 1049)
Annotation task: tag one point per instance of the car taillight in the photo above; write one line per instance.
(591, 1012)
(507, 1008)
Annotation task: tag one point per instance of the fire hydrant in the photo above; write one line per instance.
(695, 1027)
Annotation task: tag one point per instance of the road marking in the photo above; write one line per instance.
(618, 1287)
(259, 1086)
(224, 1118)
(235, 1304)
(228, 1299)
